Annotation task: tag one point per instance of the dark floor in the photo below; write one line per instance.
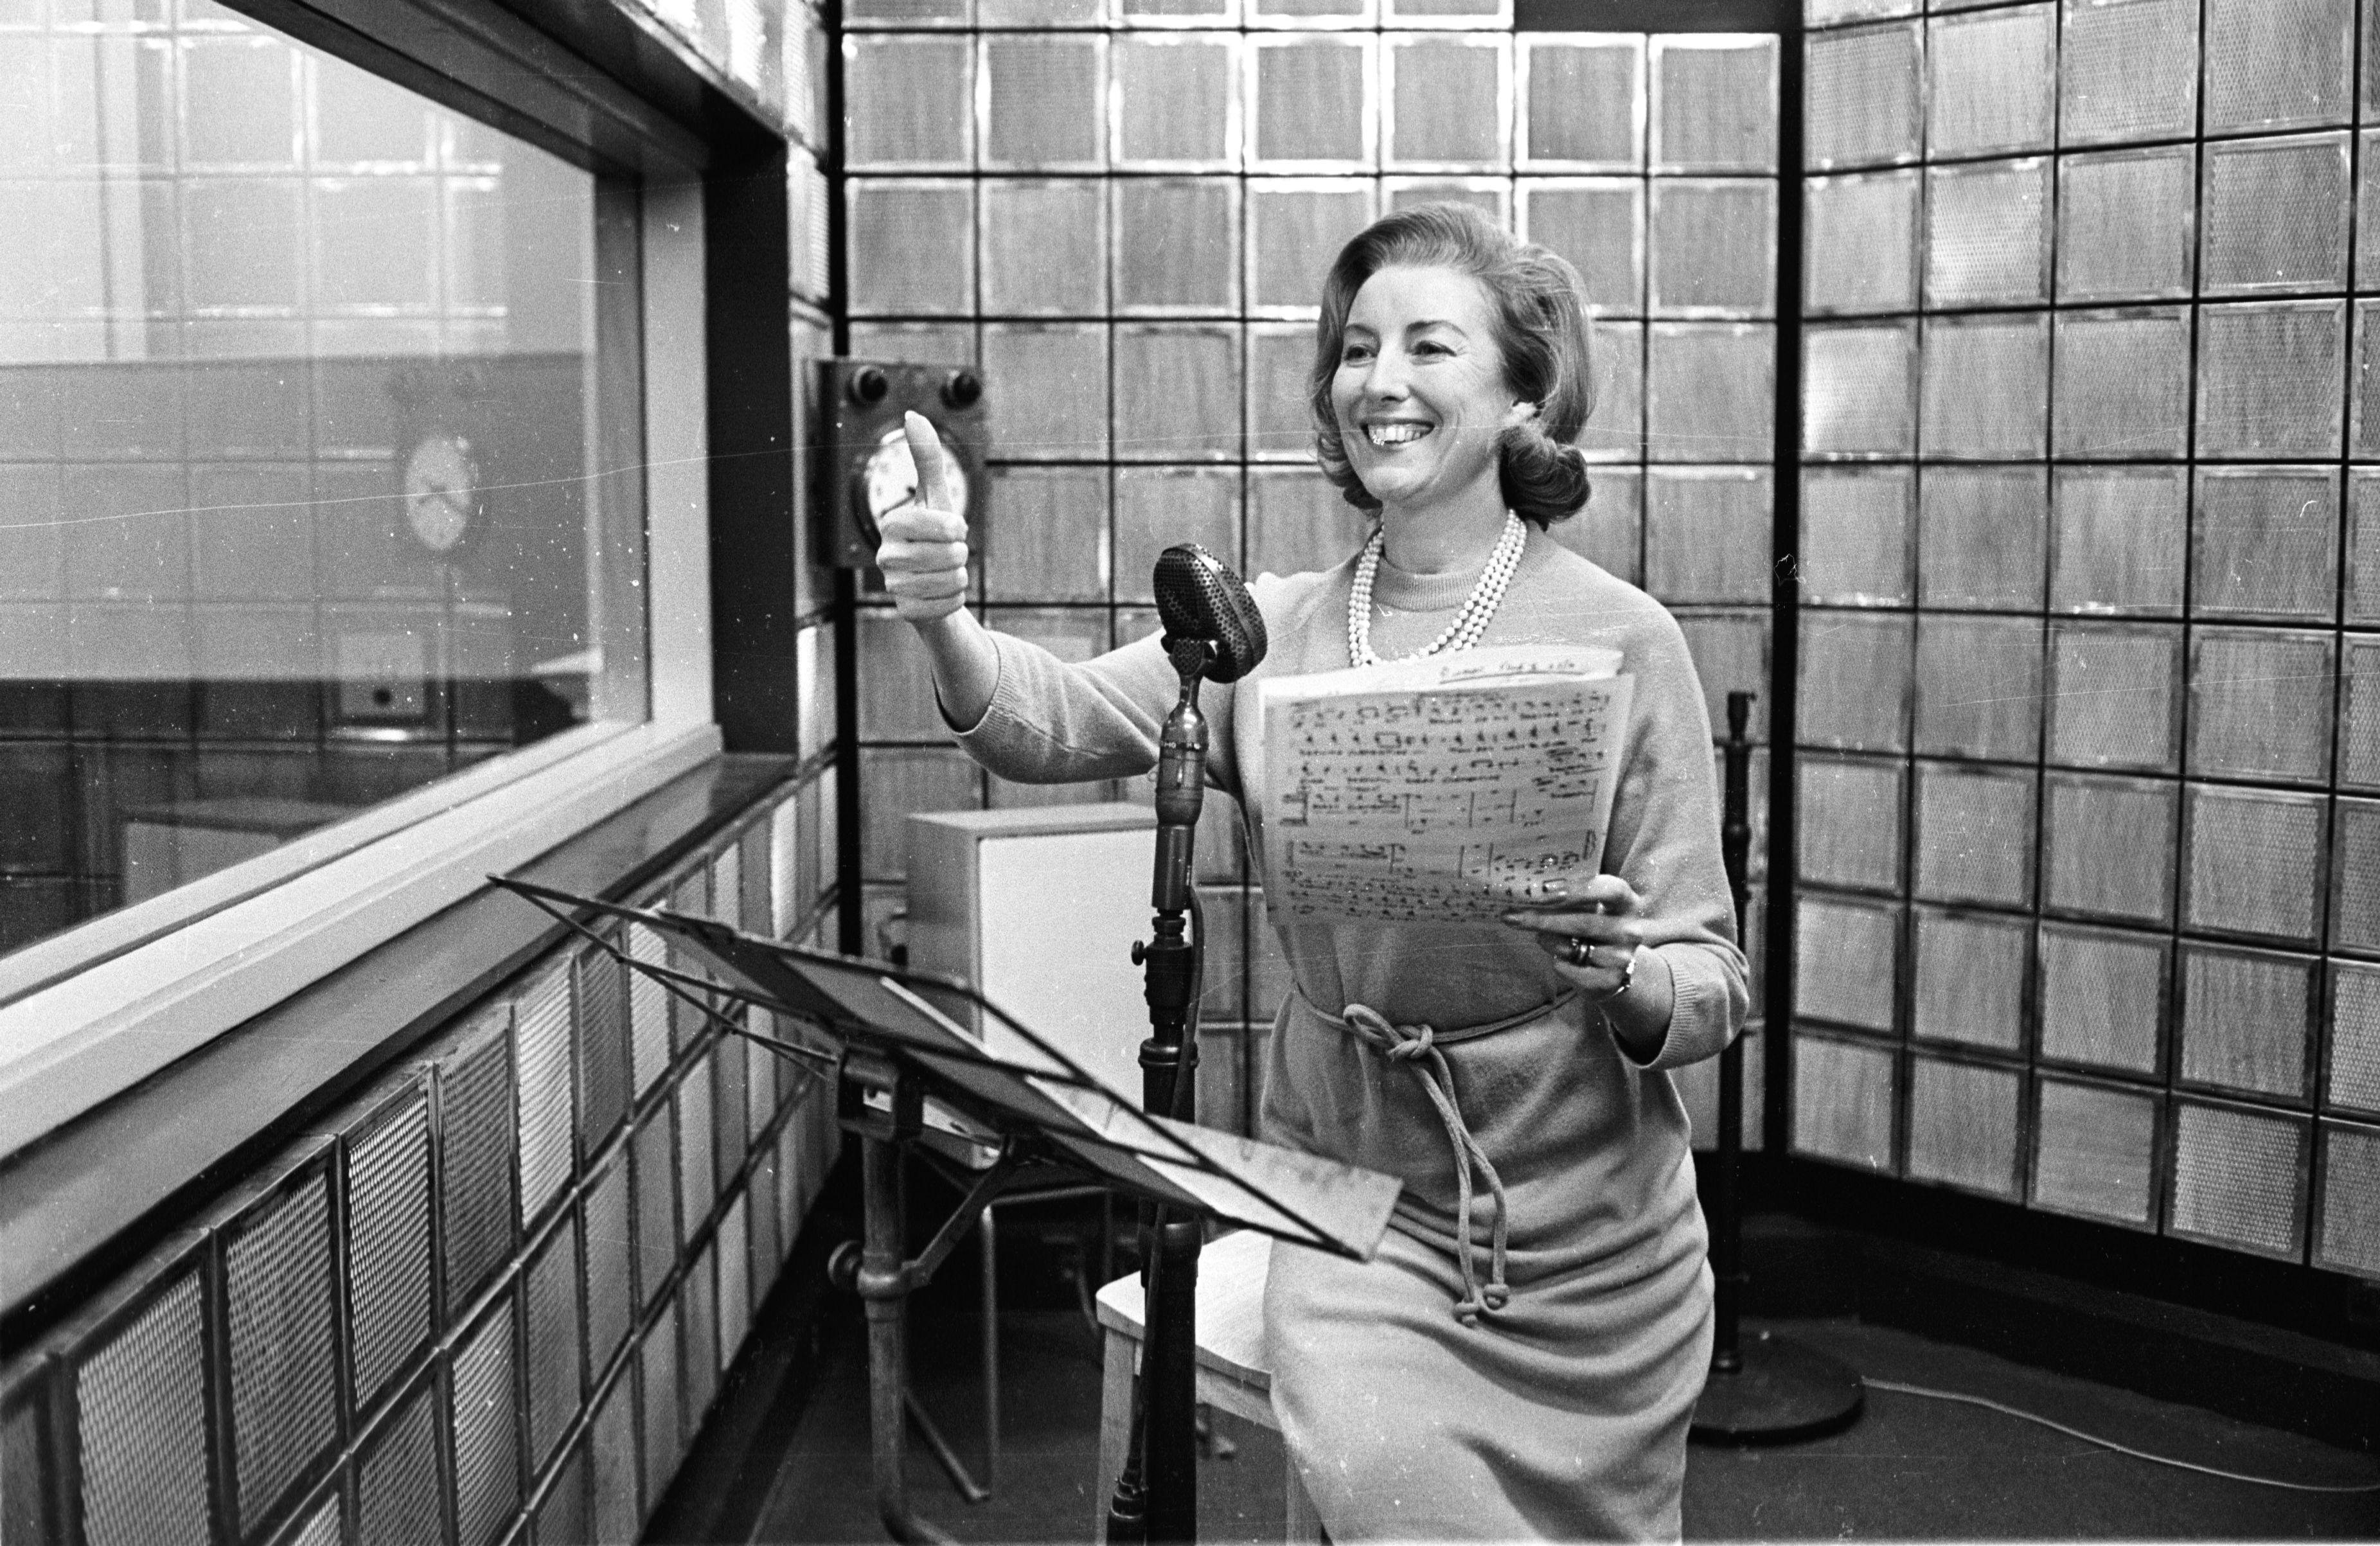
(1911, 1468)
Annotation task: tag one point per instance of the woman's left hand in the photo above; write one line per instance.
(1593, 937)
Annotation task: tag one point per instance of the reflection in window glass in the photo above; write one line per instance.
(311, 490)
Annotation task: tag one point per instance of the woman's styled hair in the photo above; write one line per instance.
(1542, 332)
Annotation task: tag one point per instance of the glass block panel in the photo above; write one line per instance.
(1987, 233)
(2247, 1020)
(1177, 392)
(541, 1057)
(1610, 530)
(649, 1008)
(2260, 704)
(1990, 80)
(2348, 1238)
(1491, 196)
(2128, 69)
(1730, 652)
(912, 247)
(1860, 243)
(1176, 101)
(1707, 534)
(1297, 522)
(1846, 959)
(2103, 997)
(1711, 392)
(279, 1354)
(2254, 862)
(2362, 548)
(610, 1290)
(1714, 105)
(1044, 248)
(1041, 102)
(1851, 823)
(1050, 400)
(2359, 715)
(1984, 533)
(2238, 1179)
(2269, 379)
(2122, 384)
(1857, 531)
(1843, 1100)
(2355, 909)
(1155, 507)
(387, 1258)
(1295, 229)
(908, 103)
(485, 1431)
(1281, 426)
(1974, 834)
(1834, 13)
(1599, 225)
(2266, 543)
(1310, 104)
(1856, 681)
(2126, 224)
(1583, 102)
(2275, 215)
(896, 681)
(1971, 974)
(2367, 194)
(476, 1145)
(1713, 247)
(1986, 388)
(907, 13)
(396, 1476)
(1965, 1125)
(1178, 13)
(1979, 686)
(1447, 100)
(2277, 63)
(1860, 96)
(2352, 1079)
(2094, 1152)
(1489, 14)
(1859, 390)
(550, 1318)
(1303, 13)
(2108, 846)
(1040, 542)
(1616, 431)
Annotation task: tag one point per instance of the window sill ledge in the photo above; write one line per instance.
(88, 1198)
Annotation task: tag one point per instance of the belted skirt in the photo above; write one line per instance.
(1521, 1358)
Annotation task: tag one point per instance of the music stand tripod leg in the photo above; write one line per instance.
(884, 1288)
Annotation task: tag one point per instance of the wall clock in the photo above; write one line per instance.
(442, 492)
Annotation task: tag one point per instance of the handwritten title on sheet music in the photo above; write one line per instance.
(1446, 801)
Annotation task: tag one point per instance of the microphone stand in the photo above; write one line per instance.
(1769, 1390)
(1157, 1497)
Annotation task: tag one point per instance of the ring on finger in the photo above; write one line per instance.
(1578, 953)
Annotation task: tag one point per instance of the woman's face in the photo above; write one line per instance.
(1420, 391)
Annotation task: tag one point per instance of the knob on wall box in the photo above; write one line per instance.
(864, 466)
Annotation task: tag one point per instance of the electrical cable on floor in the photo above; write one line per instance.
(1900, 1389)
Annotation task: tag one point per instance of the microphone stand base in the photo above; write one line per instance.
(1780, 1392)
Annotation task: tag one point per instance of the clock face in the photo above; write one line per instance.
(888, 479)
(441, 491)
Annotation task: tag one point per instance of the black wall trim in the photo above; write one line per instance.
(1659, 16)
(92, 1199)
(748, 327)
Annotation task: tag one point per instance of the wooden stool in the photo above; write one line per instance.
(1231, 1376)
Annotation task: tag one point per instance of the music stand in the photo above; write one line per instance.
(896, 1041)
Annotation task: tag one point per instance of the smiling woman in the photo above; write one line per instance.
(1539, 1386)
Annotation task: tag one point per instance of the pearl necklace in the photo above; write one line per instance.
(1468, 624)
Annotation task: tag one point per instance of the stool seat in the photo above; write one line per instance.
(1232, 1374)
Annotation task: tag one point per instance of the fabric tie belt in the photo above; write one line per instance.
(1416, 1046)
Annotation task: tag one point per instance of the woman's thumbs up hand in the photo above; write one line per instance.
(922, 546)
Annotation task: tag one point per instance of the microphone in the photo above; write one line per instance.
(1199, 597)
(1212, 628)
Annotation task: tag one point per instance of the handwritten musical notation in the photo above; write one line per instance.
(1441, 790)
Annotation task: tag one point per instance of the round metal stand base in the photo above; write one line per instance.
(1782, 1394)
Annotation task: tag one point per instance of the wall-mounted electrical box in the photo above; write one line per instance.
(864, 466)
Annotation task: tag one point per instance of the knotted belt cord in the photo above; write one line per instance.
(1411, 1045)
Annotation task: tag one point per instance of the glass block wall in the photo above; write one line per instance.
(1122, 211)
(2089, 714)
(496, 1292)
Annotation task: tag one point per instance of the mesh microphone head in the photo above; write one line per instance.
(1199, 596)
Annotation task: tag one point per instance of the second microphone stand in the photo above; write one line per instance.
(1157, 1497)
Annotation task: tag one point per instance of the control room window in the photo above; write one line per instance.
(319, 468)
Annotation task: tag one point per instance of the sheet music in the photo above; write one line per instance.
(1445, 789)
